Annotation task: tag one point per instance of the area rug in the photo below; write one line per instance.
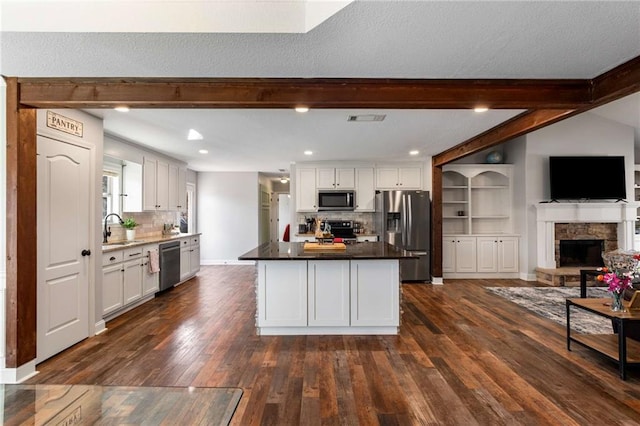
(549, 302)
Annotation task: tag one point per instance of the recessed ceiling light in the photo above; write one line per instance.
(481, 109)
(122, 108)
(302, 109)
(203, 151)
(194, 135)
(307, 152)
(414, 152)
(284, 179)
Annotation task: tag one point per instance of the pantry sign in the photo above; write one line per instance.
(64, 124)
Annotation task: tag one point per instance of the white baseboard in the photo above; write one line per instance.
(100, 327)
(528, 277)
(17, 375)
(226, 262)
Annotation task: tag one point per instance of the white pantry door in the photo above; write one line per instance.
(63, 236)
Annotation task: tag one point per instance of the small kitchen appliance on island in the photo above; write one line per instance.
(403, 219)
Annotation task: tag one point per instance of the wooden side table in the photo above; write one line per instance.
(614, 346)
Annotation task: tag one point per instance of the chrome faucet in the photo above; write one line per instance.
(107, 232)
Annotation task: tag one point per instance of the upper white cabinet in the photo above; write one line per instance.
(182, 189)
(364, 179)
(365, 190)
(306, 190)
(155, 184)
(477, 199)
(335, 178)
(177, 188)
(131, 187)
(399, 178)
(164, 185)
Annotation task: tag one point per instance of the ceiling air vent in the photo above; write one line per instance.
(367, 117)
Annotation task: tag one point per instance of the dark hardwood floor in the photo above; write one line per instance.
(464, 356)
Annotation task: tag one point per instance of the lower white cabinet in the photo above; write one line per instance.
(375, 293)
(126, 279)
(458, 254)
(328, 297)
(112, 279)
(189, 257)
(483, 256)
(150, 280)
(328, 287)
(282, 293)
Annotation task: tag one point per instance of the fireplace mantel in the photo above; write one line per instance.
(547, 214)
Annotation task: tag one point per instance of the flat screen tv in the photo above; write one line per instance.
(590, 178)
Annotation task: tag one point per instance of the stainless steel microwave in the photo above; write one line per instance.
(336, 200)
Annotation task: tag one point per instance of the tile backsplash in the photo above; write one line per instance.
(150, 224)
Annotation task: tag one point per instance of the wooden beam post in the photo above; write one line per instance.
(22, 240)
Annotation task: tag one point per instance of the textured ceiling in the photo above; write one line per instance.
(366, 39)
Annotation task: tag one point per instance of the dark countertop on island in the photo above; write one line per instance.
(296, 251)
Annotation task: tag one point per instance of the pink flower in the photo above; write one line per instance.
(617, 283)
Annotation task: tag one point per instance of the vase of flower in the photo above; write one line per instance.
(617, 282)
(616, 301)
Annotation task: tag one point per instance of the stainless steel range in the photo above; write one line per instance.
(343, 229)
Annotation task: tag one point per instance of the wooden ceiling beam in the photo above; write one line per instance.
(517, 126)
(315, 93)
(617, 83)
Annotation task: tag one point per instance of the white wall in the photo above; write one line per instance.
(584, 134)
(228, 205)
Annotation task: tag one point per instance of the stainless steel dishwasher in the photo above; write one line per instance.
(169, 264)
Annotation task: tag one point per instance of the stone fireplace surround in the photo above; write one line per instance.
(606, 232)
(622, 215)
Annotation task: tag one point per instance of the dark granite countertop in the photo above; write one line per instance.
(296, 251)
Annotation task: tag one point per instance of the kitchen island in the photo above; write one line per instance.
(355, 290)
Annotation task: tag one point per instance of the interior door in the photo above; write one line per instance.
(63, 245)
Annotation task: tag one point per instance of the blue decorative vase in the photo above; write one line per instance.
(494, 157)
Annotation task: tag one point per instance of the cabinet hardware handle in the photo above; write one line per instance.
(112, 258)
(134, 254)
(85, 252)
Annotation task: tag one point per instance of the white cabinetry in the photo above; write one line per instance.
(306, 190)
(328, 293)
(282, 293)
(497, 254)
(375, 293)
(328, 297)
(335, 178)
(155, 184)
(131, 187)
(365, 190)
(458, 254)
(189, 257)
(477, 199)
(477, 223)
(177, 188)
(150, 280)
(366, 238)
(484, 256)
(126, 279)
(399, 178)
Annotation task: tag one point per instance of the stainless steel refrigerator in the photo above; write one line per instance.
(403, 219)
